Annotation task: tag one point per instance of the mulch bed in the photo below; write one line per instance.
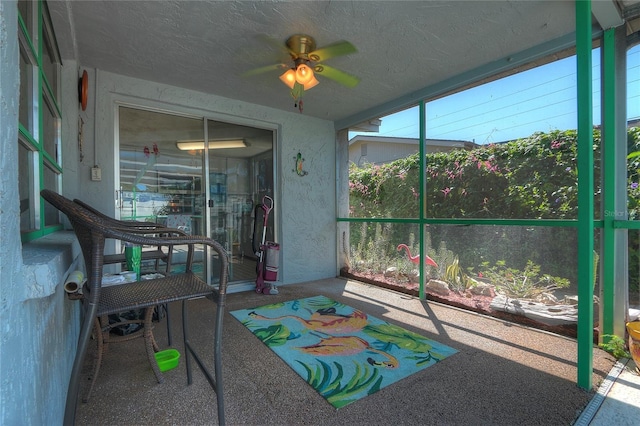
(474, 303)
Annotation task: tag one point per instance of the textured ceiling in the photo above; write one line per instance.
(206, 45)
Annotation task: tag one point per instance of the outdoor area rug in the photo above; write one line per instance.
(342, 352)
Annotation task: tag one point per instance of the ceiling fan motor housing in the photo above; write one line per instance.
(300, 45)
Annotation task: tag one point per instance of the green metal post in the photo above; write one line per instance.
(608, 150)
(585, 194)
(423, 190)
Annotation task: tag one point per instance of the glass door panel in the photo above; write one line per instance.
(159, 182)
(240, 174)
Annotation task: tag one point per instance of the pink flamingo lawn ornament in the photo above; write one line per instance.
(416, 259)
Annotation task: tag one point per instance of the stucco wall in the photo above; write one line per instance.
(38, 326)
(304, 205)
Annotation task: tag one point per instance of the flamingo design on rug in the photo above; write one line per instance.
(349, 345)
(343, 353)
(416, 259)
(326, 320)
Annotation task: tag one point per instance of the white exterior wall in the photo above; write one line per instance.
(39, 325)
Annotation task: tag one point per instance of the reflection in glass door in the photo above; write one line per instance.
(240, 172)
(166, 177)
(159, 182)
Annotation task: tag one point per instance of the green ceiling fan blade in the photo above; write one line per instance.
(337, 75)
(276, 45)
(331, 51)
(264, 69)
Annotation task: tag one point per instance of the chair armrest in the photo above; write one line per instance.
(126, 224)
(142, 237)
(158, 231)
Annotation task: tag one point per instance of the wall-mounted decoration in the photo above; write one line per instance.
(299, 165)
(83, 89)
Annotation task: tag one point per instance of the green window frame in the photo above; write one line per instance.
(40, 118)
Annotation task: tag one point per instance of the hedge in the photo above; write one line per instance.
(529, 178)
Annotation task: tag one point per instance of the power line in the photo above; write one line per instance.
(457, 115)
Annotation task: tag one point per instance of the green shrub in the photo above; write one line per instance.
(526, 284)
(530, 178)
(615, 345)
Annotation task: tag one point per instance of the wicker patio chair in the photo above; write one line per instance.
(158, 254)
(91, 231)
(104, 325)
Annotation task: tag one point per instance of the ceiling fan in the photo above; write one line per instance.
(309, 62)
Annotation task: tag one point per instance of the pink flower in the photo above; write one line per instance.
(446, 191)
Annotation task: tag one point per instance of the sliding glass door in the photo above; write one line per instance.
(201, 176)
(240, 165)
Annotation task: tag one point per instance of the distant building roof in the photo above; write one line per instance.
(451, 143)
(372, 149)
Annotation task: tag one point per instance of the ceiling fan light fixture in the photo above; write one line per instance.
(304, 74)
(313, 83)
(289, 78)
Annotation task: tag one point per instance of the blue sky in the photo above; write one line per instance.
(541, 99)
